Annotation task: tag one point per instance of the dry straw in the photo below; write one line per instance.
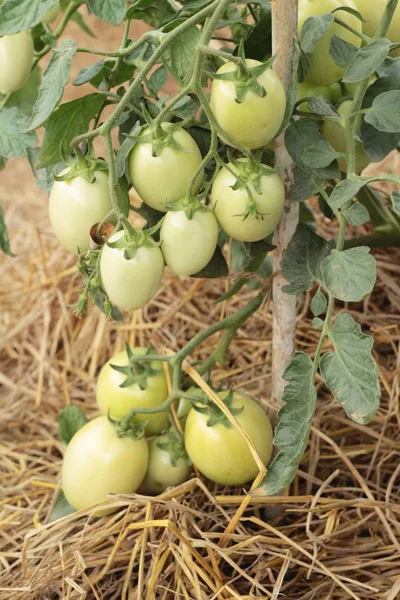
(337, 536)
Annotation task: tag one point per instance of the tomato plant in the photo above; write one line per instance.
(168, 464)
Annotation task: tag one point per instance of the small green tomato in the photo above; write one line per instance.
(16, 57)
(162, 473)
(51, 14)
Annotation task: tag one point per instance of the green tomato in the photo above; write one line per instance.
(165, 177)
(97, 462)
(231, 205)
(118, 401)
(161, 472)
(334, 132)
(75, 205)
(51, 14)
(188, 244)
(307, 90)
(16, 57)
(255, 121)
(132, 283)
(221, 453)
(372, 11)
(335, 92)
(323, 70)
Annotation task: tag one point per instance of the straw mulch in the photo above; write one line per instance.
(336, 536)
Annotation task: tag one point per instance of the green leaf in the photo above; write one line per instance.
(16, 15)
(157, 80)
(345, 191)
(318, 303)
(350, 371)
(68, 121)
(55, 78)
(217, 267)
(153, 12)
(349, 275)
(25, 98)
(123, 153)
(313, 30)
(307, 146)
(71, 419)
(302, 260)
(88, 73)
(357, 214)
(395, 197)
(14, 139)
(342, 52)
(44, 177)
(305, 185)
(258, 44)
(109, 11)
(60, 509)
(317, 323)
(322, 106)
(178, 57)
(4, 240)
(384, 113)
(293, 429)
(366, 61)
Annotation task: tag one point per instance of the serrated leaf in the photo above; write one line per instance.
(109, 11)
(318, 303)
(258, 44)
(60, 509)
(366, 61)
(395, 197)
(25, 98)
(17, 15)
(357, 214)
(88, 73)
(344, 191)
(322, 106)
(68, 121)
(157, 80)
(293, 429)
(14, 139)
(71, 419)
(44, 177)
(217, 267)
(302, 260)
(341, 52)
(178, 57)
(384, 113)
(349, 275)
(350, 372)
(55, 78)
(313, 30)
(305, 185)
(307, 146)
(4, 239)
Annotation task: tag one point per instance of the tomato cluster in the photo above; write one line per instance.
(113, 452)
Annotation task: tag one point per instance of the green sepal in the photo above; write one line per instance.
(133, 239)
(175, 447)
(81, 166)
(191, 204)
(126, 427)
(136, 371)
(215, 414)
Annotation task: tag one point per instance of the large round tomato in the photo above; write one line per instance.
(336, 136)
(131, 283)
(256, 120)
(188, 244)
(231, 205)
(97, 462)
(162, 473)
(51, 14)
(118, 401)
(221, 453)
(16, 56)
(164, 177)
(75, 205)
(323, 70)
(372, 11)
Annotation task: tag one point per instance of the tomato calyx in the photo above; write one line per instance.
(175, 447)
(136, 371)
(81, 165)
(191, 204)
(215, 414)
(159, 135)
(126, 427)
(132, 239)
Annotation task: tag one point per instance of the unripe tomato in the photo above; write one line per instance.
(221, 453)
(74, 206)
(231, 205)
(188, 244)
(165, 177)
(336, 136)
(323, 70)
(97, 462)
(336, 92)
(306, 90)
(372, 11)
(131, 284)
(51, 14)
(16, 57)
(255, 121)
(118, 401)
(161, 472)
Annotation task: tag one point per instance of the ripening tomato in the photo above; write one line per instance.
(162, 473)
(16, 57)
(256, 120)
(51, 14)
(188, 244)
(75, 205)
(372, 11)
(131, 283)
(231, 205)
(336, 136)
(221, 453)
(324, 70)
(165, 177)
(98, 462)
(118, 401)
